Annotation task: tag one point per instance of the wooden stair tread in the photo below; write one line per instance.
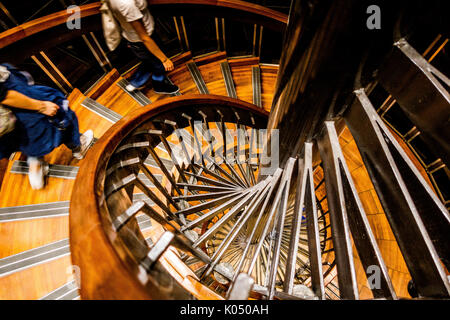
(117, 99)
(212, 75)
(30, 234)
(242, 77)
(182, 78)
(268, 81)
(102, 85)
(16, 190)
(37, 281)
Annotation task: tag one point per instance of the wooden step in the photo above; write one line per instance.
(101, 110)
(86, 118)
(118, 99)
(37, 281)
(55, 170)
(256, 86)
(137, 95)
(102, 84)
(16, 189)
(31, 233)
(211, 72)
(268, 81)
(197, 77)
(35, 256)
(68, 291)
(241, 70)
(34, 211)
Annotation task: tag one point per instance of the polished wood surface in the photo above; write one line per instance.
(103, 84)
(378, 222)
(243, 6)
(40, 24)
(30, 234)
(268, 80)
(16, 190)
(117, 100)
(212, 74)
(35, 282)
(241, 69)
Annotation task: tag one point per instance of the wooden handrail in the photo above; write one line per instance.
(58, 18)
(232, 4)
(108, 270)
(40, 24)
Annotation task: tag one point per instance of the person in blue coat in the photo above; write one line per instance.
(44, 121)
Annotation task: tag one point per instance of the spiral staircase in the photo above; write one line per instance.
(178, 199)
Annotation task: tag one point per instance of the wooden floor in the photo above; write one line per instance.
(19, 236)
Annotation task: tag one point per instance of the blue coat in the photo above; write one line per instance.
(36, 134)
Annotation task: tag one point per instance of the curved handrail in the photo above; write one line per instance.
(232, 4)
(58, 18)
(108, 270)
(44, 23)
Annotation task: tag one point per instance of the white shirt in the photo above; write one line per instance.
(126, 11)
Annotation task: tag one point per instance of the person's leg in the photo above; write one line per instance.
(141, 76)
(79, 144)
(143, 72)
(161, 84)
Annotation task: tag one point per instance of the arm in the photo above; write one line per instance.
(151, 45)
(18, 100)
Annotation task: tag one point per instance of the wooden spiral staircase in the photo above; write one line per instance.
(170, 202)
(47, 223)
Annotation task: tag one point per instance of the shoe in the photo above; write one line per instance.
(165, 87)
(86, 140)
(36, 178)
(131, 88)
